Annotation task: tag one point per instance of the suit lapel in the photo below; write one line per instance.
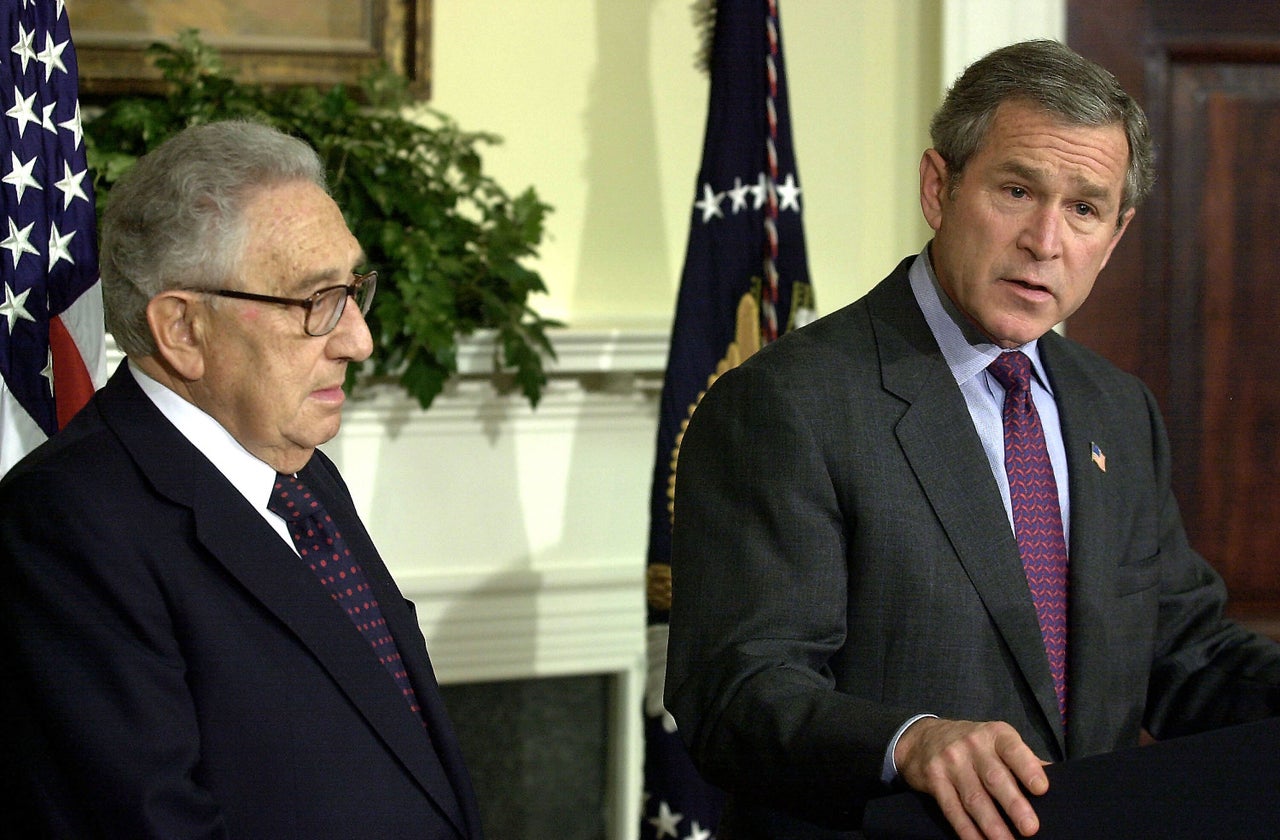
(447, 772)
(969, 510)
(1094, 656)
(237, 537)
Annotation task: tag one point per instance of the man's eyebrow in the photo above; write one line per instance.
(1021, 170)
(308, 283)
(1084, 187)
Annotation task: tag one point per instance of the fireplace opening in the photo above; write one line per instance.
(537, 753)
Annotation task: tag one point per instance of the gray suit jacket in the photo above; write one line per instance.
(170, 668)
(842, 560)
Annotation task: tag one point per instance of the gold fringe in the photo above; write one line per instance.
(658, 586)
(704, 18)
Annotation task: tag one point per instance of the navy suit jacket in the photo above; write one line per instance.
(842, 560)
(172, 669)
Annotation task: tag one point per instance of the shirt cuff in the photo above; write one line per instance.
(890, 770)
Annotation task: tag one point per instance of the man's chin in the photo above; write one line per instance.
(1015, 332)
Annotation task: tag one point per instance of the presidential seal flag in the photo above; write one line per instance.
(745, 282)
(52, 339)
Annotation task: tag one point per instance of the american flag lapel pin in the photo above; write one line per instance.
(1099, 457)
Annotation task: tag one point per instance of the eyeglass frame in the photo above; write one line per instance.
(308, 303)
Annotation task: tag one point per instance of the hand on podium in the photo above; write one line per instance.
(977, 772)
(1217, 785)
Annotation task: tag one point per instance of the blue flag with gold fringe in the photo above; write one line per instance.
(745, 282)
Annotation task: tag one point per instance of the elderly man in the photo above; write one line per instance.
(199, 637)
(928, 541)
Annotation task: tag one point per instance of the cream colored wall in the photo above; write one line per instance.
(602, 109)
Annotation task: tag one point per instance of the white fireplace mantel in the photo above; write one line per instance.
(520, 534)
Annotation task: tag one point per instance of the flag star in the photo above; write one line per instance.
(58, 246)
(666, 821)
(18, 242)
(24, 49)
(62, 7)
(709, 204)
(46, 121)
(759, 192)
(697, 832)
(47, 371)
(14, 308)
(74, 126)
(789, 194)
(20, 176)
(738, 195)
(22, 110)
(71, 185)
(51, 56)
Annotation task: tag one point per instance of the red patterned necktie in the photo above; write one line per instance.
(1037, 516)
(322, 547)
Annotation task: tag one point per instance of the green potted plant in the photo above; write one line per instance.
(448, 241)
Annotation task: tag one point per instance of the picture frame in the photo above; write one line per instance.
(289, 42)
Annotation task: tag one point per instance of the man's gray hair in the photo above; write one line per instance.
(1059, 80)
(176, 220)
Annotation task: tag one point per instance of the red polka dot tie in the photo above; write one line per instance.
(323, 549)
(1037, 516)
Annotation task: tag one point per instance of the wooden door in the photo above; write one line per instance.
(1191, 300)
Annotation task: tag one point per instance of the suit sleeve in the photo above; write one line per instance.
(101, 728)
(759, 577)
(1208, 671)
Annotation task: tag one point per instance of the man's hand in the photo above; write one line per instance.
(973, 770)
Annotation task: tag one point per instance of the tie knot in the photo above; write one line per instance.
(1012, 370)
(292, 500)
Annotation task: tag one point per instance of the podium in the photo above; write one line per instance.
(1220, 784)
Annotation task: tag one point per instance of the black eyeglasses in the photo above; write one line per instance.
(324, 308)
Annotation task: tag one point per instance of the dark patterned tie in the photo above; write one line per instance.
(1037, 516)
(322, 547)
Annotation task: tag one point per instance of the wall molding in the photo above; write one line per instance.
(973, 28)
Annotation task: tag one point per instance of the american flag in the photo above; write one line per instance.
(745, 281)
(52, 352)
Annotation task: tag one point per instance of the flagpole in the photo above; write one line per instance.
(745, 282)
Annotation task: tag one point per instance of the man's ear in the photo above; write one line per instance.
(1115, 237)
(934, 183)
(175, 320)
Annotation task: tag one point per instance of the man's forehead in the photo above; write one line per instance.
(298, 234)
(1034, 143)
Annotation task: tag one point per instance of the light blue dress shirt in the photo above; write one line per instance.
(967, 352)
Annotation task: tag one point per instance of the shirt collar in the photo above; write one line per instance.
(965, 348)
(252, 477)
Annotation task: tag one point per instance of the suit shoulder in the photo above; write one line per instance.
(85, 441)
(1059, 350)
(837, 338)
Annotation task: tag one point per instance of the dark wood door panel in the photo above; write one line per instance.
(1191, 303)
(1237, 282)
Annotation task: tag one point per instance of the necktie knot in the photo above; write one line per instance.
(1012, 370)
(292, 501)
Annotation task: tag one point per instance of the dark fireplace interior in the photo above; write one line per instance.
(537, 752)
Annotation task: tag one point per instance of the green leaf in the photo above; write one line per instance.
(447, 240)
